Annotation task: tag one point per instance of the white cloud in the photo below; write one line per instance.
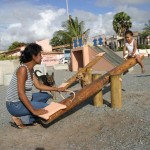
(138, 17)
(28, 23)
(47, 23)
(102, 23)
(24, 22)
(15, 25)
(98, 24)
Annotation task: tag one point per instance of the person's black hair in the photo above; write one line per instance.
(29, 51)
(129, 32)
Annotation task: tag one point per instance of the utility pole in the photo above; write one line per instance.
(67, 9)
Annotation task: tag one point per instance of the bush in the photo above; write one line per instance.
(143, 46)
(120, 48)
(147, 46)
(2, 57)
(15, 45)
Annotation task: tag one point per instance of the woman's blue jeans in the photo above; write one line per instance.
(18, 109)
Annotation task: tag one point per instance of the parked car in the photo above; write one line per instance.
(64, 60)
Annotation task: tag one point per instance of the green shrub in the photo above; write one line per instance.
(2, 57)
(143, 46)
(147, 46)
(120, 48)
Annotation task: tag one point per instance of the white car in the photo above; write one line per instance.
(64, 60)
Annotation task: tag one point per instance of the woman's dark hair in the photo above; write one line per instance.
(129, 32)
(29, 51)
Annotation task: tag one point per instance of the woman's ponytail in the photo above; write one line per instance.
(22, 57)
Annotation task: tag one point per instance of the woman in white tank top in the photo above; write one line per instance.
(131, 46)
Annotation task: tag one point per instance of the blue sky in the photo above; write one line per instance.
(32, 20)
(95, 6)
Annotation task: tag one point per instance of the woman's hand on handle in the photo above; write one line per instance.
(61, 89)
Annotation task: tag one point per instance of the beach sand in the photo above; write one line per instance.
(87, 127)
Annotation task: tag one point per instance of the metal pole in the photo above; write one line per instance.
(67, 9)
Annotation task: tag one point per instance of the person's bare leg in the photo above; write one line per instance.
(140, 63)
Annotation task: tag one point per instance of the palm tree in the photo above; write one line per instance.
(147, 26)
(75, 27)
(146, 31)
(121, 23)
(72, 28)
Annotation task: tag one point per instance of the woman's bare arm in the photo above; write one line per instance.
(21, 77)
(43, 87)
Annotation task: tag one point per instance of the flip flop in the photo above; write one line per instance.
(21, 126)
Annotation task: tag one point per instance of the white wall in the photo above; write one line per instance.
(7, 67)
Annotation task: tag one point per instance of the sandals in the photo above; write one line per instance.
(20, 126)
(17, 123)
